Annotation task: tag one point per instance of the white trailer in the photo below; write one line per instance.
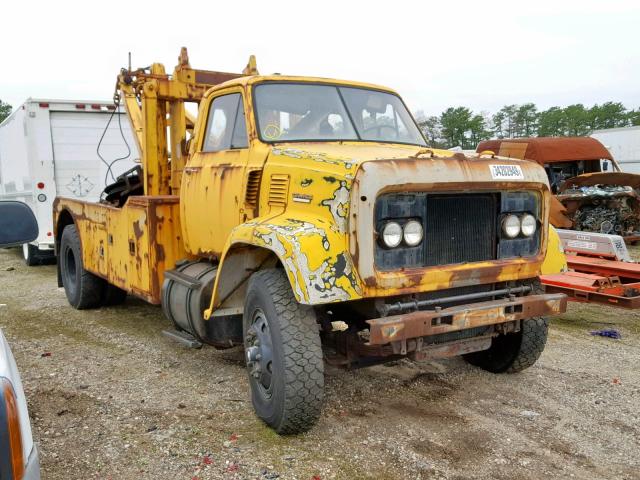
(624, 145)
(49, 148)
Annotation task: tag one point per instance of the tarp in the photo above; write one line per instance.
(548, 149)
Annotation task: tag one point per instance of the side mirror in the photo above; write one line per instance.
(605, 166)
(18, 224)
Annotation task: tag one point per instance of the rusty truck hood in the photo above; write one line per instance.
(345, 158)
(352, 153)
(621, 179)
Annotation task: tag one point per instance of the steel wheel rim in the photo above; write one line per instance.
(259, 353)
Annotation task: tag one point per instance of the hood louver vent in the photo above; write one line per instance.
(278, 189)
(253, 187)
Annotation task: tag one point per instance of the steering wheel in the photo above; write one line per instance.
(379, 129)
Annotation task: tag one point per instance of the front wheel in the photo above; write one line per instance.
(283, 354)
(513, 352)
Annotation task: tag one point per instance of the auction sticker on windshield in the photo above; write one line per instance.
(506, 172)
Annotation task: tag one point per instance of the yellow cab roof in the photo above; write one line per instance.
(249, 80)
(253, 79)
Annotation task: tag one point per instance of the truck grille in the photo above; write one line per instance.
(457, 228)
(460, 228)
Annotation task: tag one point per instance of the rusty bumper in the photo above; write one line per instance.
(397, 328)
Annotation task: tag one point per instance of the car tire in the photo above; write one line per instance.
(513, 352)
(287, 378)
(83, 288)
(30, 255)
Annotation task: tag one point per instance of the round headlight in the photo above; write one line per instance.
(392, 234)
(528, 225)
(412, 233)
(511, 226)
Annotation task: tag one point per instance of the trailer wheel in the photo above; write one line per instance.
(83, 288)
(513, 352)
(283, 354)
(30, 254)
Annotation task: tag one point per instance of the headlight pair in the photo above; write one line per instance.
(393, 234)
(513, 225)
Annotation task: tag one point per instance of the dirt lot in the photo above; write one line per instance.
(111, 398)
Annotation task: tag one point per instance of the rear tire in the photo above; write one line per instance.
(83, 288)
(513, 352)
(283, 354)
(113, 296)
(30, 255)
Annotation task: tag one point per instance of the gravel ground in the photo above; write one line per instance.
(111, 398)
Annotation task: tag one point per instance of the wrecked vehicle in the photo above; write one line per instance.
(296, 211)
(594, 194)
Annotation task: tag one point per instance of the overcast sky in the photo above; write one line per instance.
(481, 54)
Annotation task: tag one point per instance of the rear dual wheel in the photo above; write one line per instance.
(83, 288)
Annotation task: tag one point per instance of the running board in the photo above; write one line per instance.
(183, 337)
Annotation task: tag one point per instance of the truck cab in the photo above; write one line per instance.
(311, 212)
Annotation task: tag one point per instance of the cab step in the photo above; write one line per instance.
(183, 337)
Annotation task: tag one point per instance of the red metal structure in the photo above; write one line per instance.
(600, 272)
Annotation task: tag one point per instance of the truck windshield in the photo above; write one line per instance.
(311, 112)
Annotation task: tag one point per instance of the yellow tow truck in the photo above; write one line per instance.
(296, 212)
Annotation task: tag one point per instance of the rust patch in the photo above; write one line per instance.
(160, 253)
(432, 322)
(137, 231)
(370, 281)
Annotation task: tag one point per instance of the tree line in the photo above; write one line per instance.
(5, 110)
(459, 126)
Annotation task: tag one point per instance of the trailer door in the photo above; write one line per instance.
(79, 172)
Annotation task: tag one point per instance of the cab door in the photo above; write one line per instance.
(211, 192)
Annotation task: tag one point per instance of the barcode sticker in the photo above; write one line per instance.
(506, 172)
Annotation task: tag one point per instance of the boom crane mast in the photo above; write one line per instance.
(155, 103)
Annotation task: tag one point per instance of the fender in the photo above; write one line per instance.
(314, 255)
(555, 260)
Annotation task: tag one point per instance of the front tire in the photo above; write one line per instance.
(513, 352)
(283, 354)
(83, 288)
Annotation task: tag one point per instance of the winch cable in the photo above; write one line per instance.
(109, 171)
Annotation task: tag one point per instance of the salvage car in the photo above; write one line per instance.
(594, 194)
(19, 458)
